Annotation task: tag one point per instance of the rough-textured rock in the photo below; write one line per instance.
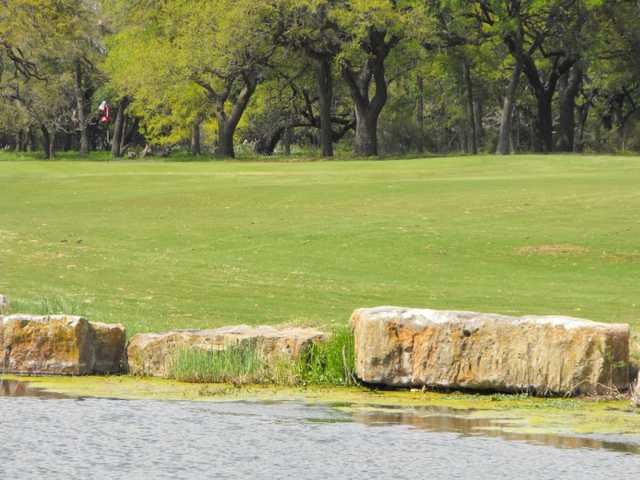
(150, 354)
(404, 347)
(59, 345)
(47, 344)
(110, 348)
(635, 394)
(4, 304)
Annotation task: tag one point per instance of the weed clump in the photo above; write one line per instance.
(48, 306)
(239, 363)
(331, 362)
(326, 363)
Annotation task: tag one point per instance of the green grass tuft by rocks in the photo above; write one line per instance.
(326, 363)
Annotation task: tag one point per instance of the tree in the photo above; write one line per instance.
(288, 100)
(546, 39)
(311, 30)
(370, 32)
(222, 46)
(44, 42)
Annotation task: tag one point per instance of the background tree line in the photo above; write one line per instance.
(371, 76)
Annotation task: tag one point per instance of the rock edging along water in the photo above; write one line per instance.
(60, 345)
(151, 354)
(404, 347)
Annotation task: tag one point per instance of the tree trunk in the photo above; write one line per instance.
(25, 140)
(420, 113)
(515, 136)
(68, 142)
(50, 142)
(287, 141)
(46, 141)
(224, 148)
(325, 97)
(583, 115)
(366, 140)
(471, 121)
(570, 87)
(82, 109)
(52, 146)
(227, 125)
(118, 129)
(478, 110)
(195, 147)
(266, 145)
(18, 140)
(368, 109)
(534, 142)
(543, 86)
(506, 122)
(123, 135)
(31, 143)
(544, 123)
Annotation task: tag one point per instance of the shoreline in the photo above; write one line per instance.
(520, 413)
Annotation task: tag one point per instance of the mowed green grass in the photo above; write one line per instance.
(162, 245)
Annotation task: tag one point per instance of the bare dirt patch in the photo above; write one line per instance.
(559, 249)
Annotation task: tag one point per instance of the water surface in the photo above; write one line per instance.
(47, 437)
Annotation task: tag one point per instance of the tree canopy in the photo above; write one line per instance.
(374, 76)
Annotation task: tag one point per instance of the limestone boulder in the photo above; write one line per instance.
(151, 354)
(403, 347)
(59, 345)
(4, 305)
(56, 344)
(110, 348)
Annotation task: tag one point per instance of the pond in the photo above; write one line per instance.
(49, 436)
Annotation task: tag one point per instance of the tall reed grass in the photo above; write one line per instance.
(241, 363)
(326, 363)
(48, 306)
(330, 362)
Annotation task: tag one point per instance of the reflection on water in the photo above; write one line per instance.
(449, 420)
(10, 388)
(103, 438)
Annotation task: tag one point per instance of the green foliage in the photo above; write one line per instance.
(239, 364)
(184, 63)
(330, 362)
(55, 305)
(324, 363)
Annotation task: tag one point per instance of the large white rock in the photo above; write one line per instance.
(404, 347)
(151, 354)
(60, 345)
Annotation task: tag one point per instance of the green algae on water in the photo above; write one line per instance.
(517, 414)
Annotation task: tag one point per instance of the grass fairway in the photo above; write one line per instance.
(160, 245)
